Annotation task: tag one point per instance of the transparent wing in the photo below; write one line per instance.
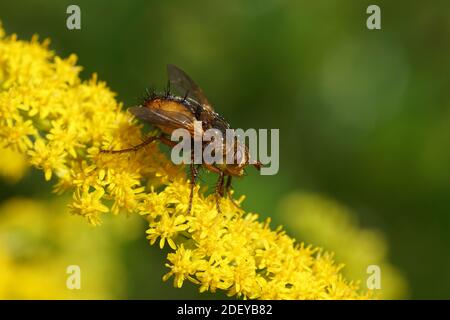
(184, 84)
(163, 118)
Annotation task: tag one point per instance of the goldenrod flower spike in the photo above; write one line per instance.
(60, 123)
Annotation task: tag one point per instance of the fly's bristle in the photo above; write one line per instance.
(186, 95)
(167, 91)
(149, 94)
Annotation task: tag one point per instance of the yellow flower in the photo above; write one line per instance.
(166, 227)
(60, 122)
(89, 205)
(184, 264)
(39, 240)
(323, 221)
(215, 274)
(47, 157)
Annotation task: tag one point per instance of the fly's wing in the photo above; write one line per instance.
(165, 120)
(184, 84)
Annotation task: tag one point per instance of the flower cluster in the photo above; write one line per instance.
(323, 221)
(61, 122)
(34, 256)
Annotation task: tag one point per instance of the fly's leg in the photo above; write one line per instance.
(194, 174)
(228, 192)
(149, 140)
(167, 141)
(134, 148)
(228, 186)
(219, 191)
(219, 185)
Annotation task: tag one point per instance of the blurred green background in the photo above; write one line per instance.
(363, 115)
